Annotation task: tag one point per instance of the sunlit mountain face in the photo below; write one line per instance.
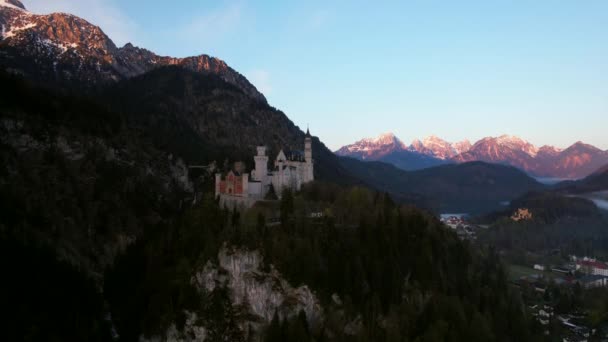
(576, 161)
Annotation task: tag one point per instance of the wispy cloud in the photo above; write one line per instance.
(261, 80)
(103, 13)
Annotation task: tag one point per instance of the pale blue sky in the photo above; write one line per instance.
(351, 69)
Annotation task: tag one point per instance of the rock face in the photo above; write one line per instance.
(261, 292)
(191, 332)
(436, 147)
(577, 161)
(62, 48)
(502, 150)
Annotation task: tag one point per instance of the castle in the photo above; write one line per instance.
(238, 189)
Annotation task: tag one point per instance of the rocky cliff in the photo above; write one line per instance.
(257, 290)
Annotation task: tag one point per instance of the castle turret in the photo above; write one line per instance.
(261, 165)
(308, 167)
(308, 147)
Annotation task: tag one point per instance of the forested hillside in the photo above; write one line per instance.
(474, 187)
(202, 118)
(108, 216)
(380, 271)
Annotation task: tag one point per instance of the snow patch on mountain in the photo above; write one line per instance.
(515, 142)
(439, 148)
(462, 146)
(384, 139)
(13, 30)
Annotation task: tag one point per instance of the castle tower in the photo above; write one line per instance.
(308, 166)
(261, 165)
(308, 147)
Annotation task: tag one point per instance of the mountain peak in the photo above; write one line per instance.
(15, 4)
(387, 135)
(372, 148)
(506, 138)
(549, 150)
(434, 139)
(385, 139)
(436, 147)
(579, 145)
(462, 146)
(517, 143)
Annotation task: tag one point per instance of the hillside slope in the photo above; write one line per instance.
(202, 119)
(596, 182)
(469, 187)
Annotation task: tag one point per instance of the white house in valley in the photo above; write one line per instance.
(290, 170)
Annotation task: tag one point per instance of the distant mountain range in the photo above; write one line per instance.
(576, 161)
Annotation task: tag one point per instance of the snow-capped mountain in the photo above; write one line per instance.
(65, 49)
(386, 143)
(390, 149)
(373, 148)
(505, 149)
(436, 147)
(577, 161)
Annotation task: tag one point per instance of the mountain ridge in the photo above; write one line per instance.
(66, 49)
(576, 161)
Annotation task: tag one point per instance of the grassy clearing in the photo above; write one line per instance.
(518, 271)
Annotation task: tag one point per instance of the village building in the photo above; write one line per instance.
(290, 170)
(591, 266)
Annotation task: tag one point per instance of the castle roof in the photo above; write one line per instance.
(233, 172)
(293, 155)
(284, 167)
(593, 263)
